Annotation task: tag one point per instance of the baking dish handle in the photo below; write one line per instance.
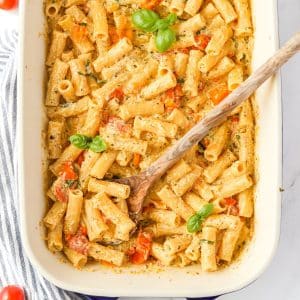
(115, 298)
(100, 298)
(204, 298)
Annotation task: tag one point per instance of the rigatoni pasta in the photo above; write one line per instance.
(120, 49)
(59, 72)
(57, 47)
(55, 138)
(73, 212)
(116, 101)
(192, 6)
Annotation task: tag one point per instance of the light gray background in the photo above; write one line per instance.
(281, 281)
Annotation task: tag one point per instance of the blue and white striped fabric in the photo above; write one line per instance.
(15, 268)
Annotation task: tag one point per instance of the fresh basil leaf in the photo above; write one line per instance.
(205, 211)
(171, 19)
(194, 223)
(80, 141)
(145, 20)
(98, 144)
(164, 39)
(207, 241)
(161, 24)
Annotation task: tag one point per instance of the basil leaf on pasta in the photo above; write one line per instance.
(171, 19)
(80, 141)
(165, 23)
(98, 144)
(205, 211)
(161, 24)
(194, 223)
(164, 39)
(145, 19)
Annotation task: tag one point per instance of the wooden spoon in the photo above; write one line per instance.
(140, 184)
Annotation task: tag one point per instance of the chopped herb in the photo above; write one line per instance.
(71, 183)
(65, 104)
(235, 43)
(200, 148)
(201, 30)
(83, 24)
(243, 59)
(92, 75)
(144, 223)
(99, 81)
(180, 80)
(246, 39)
(281, 190)
(238, 137)
(207, 241)
(232, 146)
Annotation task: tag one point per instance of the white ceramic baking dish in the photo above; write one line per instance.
(172, 282)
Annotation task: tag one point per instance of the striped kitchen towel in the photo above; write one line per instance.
(15, 268)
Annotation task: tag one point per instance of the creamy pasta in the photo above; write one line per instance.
(127, 79)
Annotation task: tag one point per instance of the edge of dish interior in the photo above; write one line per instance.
(173, 281)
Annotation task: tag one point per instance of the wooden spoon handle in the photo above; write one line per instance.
(222, 110)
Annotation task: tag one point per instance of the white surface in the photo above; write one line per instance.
(281, 280)
(8, 18)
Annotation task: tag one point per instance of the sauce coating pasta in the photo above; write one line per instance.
(120, 92)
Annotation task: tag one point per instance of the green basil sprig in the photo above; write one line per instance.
(149, 21)
(194, 223)
(80, 141)
(164, 39)
(96, 144)
(145, 19)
